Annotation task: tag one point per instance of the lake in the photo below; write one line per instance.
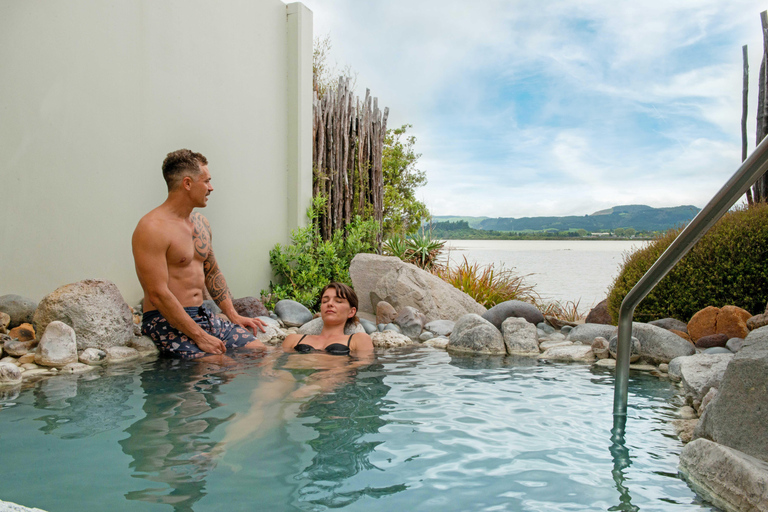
(562, 270)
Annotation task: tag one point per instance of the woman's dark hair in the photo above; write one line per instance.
(345, 292)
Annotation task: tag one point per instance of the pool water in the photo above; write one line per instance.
(412, 429)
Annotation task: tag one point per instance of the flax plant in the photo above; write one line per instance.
(488, 285)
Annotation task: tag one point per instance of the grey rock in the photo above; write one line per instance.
(716, 350)
(20, 309)
(390, 339)
(634, 354)
(600, 348)
(687, 413)
(699, 373)
(212, 306)
(558, 323)
(555, 336)
(606, 363)
(664, 367)
(315, 327)
(440, 327)
(426, 335)
(18, 348)
(659, 345)
(670, 323)
(380, 327)
(569, 353)
(711, 394)
(540, 333)
(599, 314)
(368, 325)
(292, 313)
(386, 278)
(566, 329)
(520, 337)
(10, 374)
(77, 367)
(546, 345)
(121, 354)
(586, 333)
(728, 478)
(732, 417)
(517, 308)
(385, 313)
(250, 307)
(473, 334)
(7, 506)
(392, 327)
(92, 356)
(544, 326)
(734, 344)
(93, 308)
(58, 346)
(411, 322)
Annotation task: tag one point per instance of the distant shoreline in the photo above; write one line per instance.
(556, 238)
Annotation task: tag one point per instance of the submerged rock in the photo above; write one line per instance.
(476, 335)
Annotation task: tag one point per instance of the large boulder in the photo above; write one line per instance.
(520, 337)
(659, 345)
(58, 346)
(20, 309)
(728, 320)
(737, 416)
(93, 308)
(475, 335)
(517, 308)
(386, 278)
(700, 373)
(727, 478)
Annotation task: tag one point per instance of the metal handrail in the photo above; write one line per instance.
(752, 168)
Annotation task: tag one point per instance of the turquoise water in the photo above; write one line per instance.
(414, 429)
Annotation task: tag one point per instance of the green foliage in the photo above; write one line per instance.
(486, 284)
(727, 266)
(308, 263)
(403, 214)
(420, 248)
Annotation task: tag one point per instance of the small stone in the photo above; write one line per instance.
(687, 412)
(566, 329)
(292, 313)
(599, 314)
(24, 332)
(27, 358)
(545, 345)
(635, 344)
(440, 327)
(385, 313)
(439, 342)
(368, 325)
(121, 354)
(734, 344)
(92, 356)
(78, 367)
(37, 372)
(757, 321)
(426, 335)
(558, 323)
(664, 368)
(572, 353)
(545, 327)
(9, 359)
(642, 367)
(10, 374)
(29, 366)
(606, 363)
(600, 343)
(682, 334)
(380, 327)
(712, 340)
(20, 309)
(716, 350)
(711, 394)
(391, 327)
(5, 321)
(18, 348)
(411, 322)
(58, 346)
(143, 344)
(250, 307)
(685, 428)
(390, 339)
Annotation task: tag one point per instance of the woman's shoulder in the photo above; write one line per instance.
(360, 341)
(291, 340)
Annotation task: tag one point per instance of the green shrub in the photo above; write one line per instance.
(418, 248)
(729, 265)
(308, 263)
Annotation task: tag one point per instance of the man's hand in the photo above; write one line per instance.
(211, 345)
(249, 323)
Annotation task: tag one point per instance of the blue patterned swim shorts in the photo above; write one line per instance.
(173, 343)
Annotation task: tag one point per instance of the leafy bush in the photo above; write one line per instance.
(487, 285)
(727, 266)
(308, 263)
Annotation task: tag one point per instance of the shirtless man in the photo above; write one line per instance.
(175, 261)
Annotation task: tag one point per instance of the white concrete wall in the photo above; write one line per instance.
(94, 94)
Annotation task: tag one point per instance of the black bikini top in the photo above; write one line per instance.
(335, 349)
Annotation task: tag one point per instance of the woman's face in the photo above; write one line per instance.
(334, 308)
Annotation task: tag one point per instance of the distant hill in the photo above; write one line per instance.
(637, 216)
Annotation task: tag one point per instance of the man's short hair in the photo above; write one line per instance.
(181, 163)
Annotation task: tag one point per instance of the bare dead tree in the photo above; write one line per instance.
(744, 111)
(760, 188)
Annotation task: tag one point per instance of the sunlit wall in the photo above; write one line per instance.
(94, 94)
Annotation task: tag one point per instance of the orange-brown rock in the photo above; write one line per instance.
(24, 332)
(682, 334)
(732, 321)
(703, 323)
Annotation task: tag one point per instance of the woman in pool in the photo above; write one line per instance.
(338, 308)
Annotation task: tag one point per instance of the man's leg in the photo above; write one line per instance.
(170, 341)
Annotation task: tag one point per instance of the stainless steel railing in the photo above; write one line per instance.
(752, 168)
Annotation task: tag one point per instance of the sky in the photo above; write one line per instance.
(552, 107)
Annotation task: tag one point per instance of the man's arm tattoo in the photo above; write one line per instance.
(201, 235)
(214, 280)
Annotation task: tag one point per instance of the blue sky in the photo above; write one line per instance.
(532, 108)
